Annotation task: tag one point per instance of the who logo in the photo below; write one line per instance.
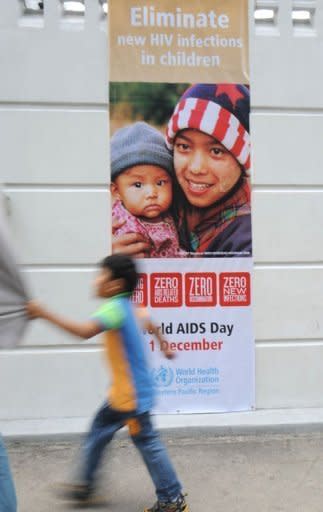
(163, 376)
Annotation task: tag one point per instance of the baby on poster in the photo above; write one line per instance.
(142, 188)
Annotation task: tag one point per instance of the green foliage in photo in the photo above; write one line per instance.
(150, 102)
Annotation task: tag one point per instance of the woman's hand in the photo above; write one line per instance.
(132, 244)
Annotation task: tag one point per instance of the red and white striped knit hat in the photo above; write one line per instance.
(221, 111)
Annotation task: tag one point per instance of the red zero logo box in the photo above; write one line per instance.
(140, 295)
(166, 290)
(200, 289)
(235, 289)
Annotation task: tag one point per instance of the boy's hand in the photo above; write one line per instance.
(143, 314)
(35, 309)
(169, 354)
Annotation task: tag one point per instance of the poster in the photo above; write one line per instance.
(180, 191)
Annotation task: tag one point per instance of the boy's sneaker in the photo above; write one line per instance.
(179, 505)
(80, 495)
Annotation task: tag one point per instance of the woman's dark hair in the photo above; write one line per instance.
(122, 267)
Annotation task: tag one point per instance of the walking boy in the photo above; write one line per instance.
(130, 398)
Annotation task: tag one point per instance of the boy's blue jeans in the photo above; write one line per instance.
(8, 501)
(105, 424)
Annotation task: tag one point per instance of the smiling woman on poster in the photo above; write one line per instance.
(208, 134)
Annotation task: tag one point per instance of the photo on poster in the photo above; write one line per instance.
(180, 162)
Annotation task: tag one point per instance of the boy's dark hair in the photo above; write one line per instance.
(122, 267)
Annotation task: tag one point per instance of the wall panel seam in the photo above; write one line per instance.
(52, 106)
(292, 188)
(278, 110)
(290, 343)
(48, 187)
(293, 265)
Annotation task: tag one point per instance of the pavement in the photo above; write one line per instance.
(246, 472)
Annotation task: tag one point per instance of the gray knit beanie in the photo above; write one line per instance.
(139, 144)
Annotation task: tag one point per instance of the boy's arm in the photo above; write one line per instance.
(83, 330)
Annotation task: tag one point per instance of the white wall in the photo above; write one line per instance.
(54, 164)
